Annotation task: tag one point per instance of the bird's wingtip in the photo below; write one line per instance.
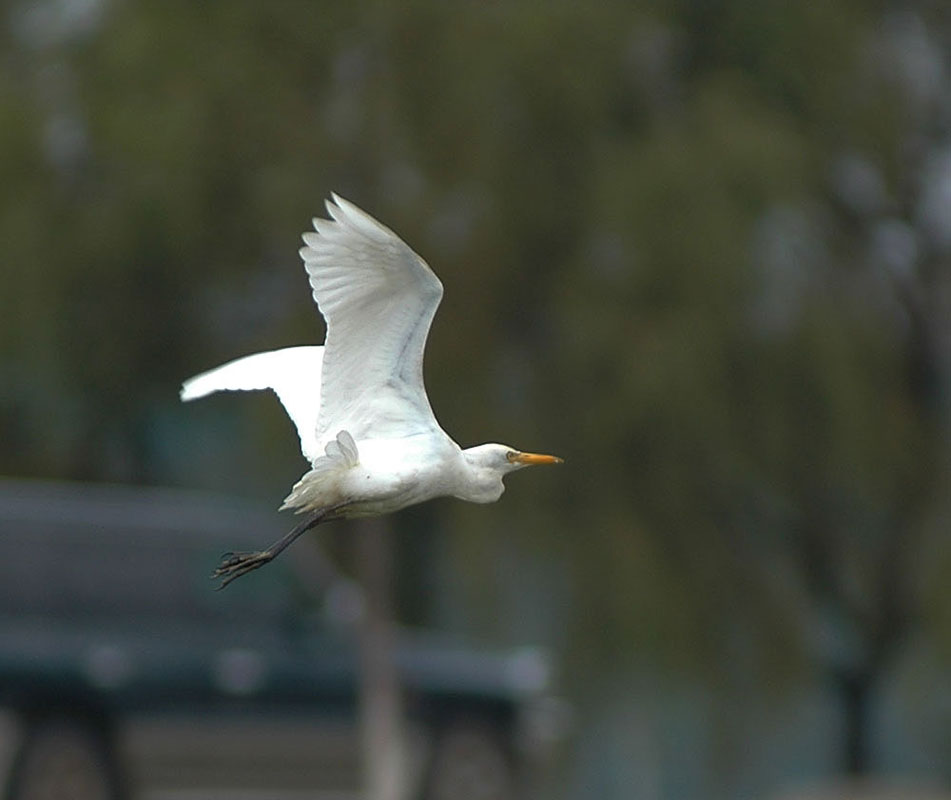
(338, 209)
(337, 206)
(343, 212)
(195, 387)
(337, 200)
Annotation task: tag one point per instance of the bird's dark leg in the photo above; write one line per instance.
(234, 565)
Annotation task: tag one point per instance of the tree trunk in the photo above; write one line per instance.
(856, 689)
(380, 706)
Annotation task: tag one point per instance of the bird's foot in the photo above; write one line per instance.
(234, 565)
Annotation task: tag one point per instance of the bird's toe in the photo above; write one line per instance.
(234, 565)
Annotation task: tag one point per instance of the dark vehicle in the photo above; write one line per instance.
(123, 674)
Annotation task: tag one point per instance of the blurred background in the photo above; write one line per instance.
(701, 250)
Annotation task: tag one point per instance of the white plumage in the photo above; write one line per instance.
(294, 375)
(358, 402)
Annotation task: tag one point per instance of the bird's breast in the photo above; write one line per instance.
(393, 474)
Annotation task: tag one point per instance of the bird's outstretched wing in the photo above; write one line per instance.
(378, 298)
(294, 375)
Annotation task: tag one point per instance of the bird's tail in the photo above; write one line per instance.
(316, 488)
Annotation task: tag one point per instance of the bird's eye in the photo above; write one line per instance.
(511, 455)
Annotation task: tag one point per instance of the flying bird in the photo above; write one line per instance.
(358, 401)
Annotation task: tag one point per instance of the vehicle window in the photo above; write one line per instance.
(86, 570)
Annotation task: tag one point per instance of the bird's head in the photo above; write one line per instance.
(489, 463)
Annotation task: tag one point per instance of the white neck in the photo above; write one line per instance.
(479, 482)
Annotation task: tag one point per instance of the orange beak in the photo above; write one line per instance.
(531, 459)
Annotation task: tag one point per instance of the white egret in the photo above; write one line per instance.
(358, 401)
